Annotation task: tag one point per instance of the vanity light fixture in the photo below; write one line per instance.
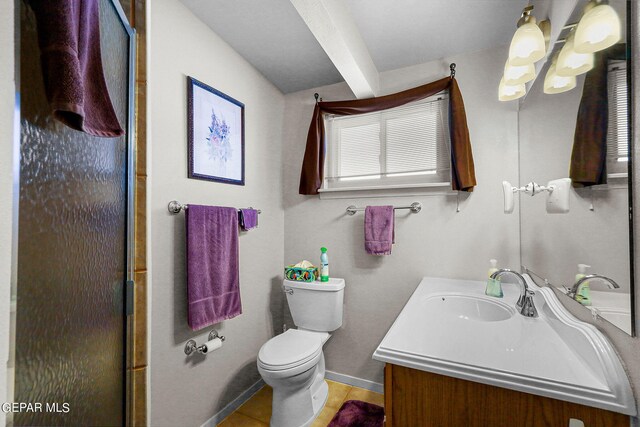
(598, 29)
(518, 74)
(510, 92)
(571, 63)
(528, 43)
(553, 83)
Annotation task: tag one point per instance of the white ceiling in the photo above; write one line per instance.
(400, 33)
(272, 36)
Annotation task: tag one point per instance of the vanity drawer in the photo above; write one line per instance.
(419, 398)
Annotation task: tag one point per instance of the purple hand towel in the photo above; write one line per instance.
(248, 219)
(213, 282)
(69, 39)
(379, 234)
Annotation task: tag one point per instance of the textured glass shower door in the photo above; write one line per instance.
(73, 249)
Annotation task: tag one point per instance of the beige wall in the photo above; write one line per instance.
(436, 242)
(7, 97)
(189, 390)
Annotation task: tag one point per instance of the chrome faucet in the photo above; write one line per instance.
(610, 283)
(525, 304)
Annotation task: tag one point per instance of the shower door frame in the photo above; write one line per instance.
(128, 286)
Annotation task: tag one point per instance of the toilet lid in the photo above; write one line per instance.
(290, 349)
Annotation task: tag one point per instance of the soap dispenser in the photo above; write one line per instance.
(583, 293)
(494, 266)
(494, 287)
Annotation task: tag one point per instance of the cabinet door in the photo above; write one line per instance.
(418, 398)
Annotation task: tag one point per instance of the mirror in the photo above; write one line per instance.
(596, 230)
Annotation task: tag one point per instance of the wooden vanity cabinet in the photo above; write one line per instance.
(415, 398)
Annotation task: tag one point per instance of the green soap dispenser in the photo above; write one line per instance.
(583, 293)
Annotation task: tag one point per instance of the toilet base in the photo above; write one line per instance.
(319, 399)
(299, 408)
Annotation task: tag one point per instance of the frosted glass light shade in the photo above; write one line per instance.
(510, 92)
(553, 83)
(598, 29)
(518, 74)
(570, 63)
(527, 44)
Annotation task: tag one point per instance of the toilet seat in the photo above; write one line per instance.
(289, 350)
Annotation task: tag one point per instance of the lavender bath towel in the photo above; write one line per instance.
(69, 39)
(248, 219)
(379, 234)
(213, 282)
(355, 413)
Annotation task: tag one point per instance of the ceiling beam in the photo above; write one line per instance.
(334, 28)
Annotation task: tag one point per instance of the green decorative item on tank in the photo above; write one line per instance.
(300, 274)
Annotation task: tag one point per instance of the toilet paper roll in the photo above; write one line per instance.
(212, 345)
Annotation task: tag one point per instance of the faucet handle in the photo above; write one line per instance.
(528, 294)
(528, 308)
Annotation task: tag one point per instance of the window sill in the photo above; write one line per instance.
(615, 181)
(623, 175)
(425, 189)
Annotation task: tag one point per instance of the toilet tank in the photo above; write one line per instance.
(316, 306)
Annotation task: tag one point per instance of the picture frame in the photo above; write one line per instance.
(215, 134)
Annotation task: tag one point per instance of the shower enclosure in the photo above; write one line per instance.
(74, 245)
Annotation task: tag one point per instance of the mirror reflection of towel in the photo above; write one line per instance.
(69, 39)
(589, 155)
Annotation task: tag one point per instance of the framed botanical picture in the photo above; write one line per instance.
(215, 134)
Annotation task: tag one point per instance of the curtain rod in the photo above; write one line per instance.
(452, 69)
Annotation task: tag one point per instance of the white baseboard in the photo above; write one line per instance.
(353, 381)
(234, 404)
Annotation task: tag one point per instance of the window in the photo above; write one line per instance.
(406, 146)
(618, 129)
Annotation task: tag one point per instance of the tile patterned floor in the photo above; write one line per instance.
(256, 412)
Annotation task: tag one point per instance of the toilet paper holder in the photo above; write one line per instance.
(192, 346)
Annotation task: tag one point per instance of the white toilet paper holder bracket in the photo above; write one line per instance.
(191, 346)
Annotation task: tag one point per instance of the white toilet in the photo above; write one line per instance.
(292, 363)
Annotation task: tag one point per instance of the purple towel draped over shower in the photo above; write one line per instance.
(69, 39)
(248, 219)
(379, 233)
(213, 282)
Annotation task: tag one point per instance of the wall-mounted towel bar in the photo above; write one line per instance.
(175, 207)
(415, 208)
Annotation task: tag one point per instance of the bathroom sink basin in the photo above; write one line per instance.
(467, 308)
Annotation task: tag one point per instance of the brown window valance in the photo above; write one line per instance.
(589, 155)
(462, 168)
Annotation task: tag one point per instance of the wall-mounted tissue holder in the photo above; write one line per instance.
(214, 343)
(557, 194)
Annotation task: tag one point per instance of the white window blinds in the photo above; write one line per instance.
(618, 128)
(404, 145)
